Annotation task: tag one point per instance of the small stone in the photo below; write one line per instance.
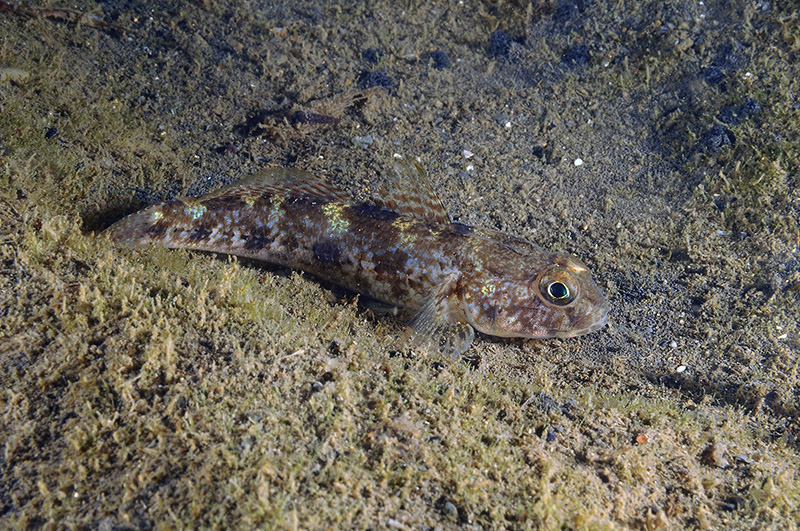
(363, 141)
(450, 511)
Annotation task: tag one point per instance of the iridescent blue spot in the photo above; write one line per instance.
(196, 211)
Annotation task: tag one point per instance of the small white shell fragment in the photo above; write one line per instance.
(681, 368)
(578, 162)
(467, 154)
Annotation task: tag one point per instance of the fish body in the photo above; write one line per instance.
(400, 248)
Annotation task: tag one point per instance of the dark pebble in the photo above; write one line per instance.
(334, 349)
(440, 60)
(717, 138)
(378, 78)
(733, 504)
(50, 133)
(372, 55)
(577, 55)
(499, 44)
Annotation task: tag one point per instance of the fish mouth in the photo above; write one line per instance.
(586, 325)
(592, 327)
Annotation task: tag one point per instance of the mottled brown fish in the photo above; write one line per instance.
(400, 248)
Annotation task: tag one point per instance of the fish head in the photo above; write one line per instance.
(559, 299)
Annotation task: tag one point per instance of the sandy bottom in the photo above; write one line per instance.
(157, 388)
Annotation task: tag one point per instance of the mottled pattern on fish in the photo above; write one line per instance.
(400, 248)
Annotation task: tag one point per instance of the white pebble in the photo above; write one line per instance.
(578, 162)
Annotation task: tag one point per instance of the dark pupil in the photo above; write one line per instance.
(558, 291)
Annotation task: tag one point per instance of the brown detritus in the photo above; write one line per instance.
(300, 121)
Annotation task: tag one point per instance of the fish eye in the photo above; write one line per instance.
(556, 291)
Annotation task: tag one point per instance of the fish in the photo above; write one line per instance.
(399, 247)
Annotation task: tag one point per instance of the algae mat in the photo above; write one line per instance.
(659, 143)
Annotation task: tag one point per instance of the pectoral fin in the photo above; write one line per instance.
(439, 326)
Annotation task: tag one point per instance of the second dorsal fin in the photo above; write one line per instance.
(409, 193)
(290, 182)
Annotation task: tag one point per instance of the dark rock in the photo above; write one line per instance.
(378, 78)
(717, 138)
(499, 44)
(577, 55)
(440, 60)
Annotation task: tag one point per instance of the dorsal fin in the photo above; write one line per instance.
(290, 182)
(409, 193)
